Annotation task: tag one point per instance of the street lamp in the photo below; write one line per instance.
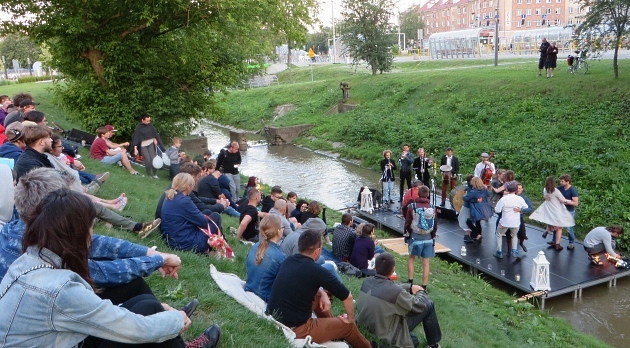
(28, 61)
(4, 62)
(496, 36)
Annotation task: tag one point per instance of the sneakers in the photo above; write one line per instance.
(92, 188)
(119, 163)
(559, 247)
(189, 309)
(514, 253)
(148, 227)
(208, 339)
(437, 345)
(571, 246)
(545, 234)
(135, 173)
(468, 239)
(156, 177)
(595, 259)
(539, 75)
(101, 178)
(498, 254)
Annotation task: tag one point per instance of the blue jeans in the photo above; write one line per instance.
(232, 212)
(388, 191)
(570, 230)
(86, 177)
(330, 268)
(112, 159)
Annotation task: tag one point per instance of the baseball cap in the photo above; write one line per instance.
(14, 131)
(110, 128)
(485, 154)
(27, 102)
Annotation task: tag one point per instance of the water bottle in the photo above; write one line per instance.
(463, 251)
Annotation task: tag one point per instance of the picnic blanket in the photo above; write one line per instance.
(233, 286)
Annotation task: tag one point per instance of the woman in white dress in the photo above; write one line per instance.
(553, 212)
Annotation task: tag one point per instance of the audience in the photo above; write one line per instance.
(264, 258)
(248, 220)
(280, 209)
(268, 202)
(108, 152)
(312, 212)
(343, 238)
(363, 250)
(15, 144)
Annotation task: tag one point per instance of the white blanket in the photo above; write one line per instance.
(232, 285)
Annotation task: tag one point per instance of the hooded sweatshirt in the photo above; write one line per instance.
(289, 245)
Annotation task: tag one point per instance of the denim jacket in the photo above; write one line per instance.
(260, 278)
(56, 308)
(112, 261)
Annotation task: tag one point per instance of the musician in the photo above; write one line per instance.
(405, 160)
(422, 164)
(450, 160)
(485, 169)
(387, 178)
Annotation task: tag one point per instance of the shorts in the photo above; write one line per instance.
(112, 159)
(541, 62)
(422, 248)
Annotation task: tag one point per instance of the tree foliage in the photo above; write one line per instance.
(410, 22)
(169, 58)
(367, 33)
(20, 47)
(319, 40)
(605, 26)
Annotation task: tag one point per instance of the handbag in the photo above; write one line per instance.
(157, 160)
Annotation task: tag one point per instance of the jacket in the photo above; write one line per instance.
(289, 245)
(260, 277)
(383, 306)
(29, 160)
(181, 223)
(145, 132)
(478, 210)
(112, 261)
(10, 150)
(67, 310)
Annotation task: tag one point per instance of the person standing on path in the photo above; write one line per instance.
(230, 160)
(552, 57)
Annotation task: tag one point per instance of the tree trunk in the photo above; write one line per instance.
(95, 56)
(374, 67)
(289, 62)
(615, 65)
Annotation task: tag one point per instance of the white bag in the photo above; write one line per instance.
(157, 160)
(165, 159)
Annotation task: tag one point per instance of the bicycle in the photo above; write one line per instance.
(577, 64)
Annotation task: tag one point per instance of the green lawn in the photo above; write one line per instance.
(472, 313)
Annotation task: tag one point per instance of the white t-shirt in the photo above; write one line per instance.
(506, 205)
(480, 167)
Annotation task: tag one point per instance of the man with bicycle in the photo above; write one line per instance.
(543, 56)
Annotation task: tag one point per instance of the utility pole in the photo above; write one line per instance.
(334, 53)
(496, 36)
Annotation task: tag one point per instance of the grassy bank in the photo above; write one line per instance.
(536, 126)
(472, 313)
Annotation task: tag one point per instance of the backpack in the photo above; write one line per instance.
(423, 219)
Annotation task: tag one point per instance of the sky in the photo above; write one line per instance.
(326, 10)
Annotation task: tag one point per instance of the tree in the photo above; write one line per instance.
(20, 47)
(367, 33)
(169, 58)
(410, 22)
(605, 25)
(319, 40)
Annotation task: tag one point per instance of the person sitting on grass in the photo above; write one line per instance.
(182, 222)
(51, 282)
(109, 153)
(252, 183)
(300, 207)
(297, 292)
(343, 239)
(363, 250)
(264, 258)
(247, 229)
(421, 241)
(313, 212)
(279, 209)
(15, 145)
(602, 239)
(392, 311)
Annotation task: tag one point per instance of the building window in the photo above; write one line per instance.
(519, 12)
(518, 24)
(537, 23)
(549, 1)
(570, 9)
(528, 11)
(557, 21)
(557, 10)
(538, 1)
(529, 23)
(537, 11)
(519, 1)
(529, 1)
(558, 1)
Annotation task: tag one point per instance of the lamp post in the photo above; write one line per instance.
(496, 36)
(332, 7)
(4, 62)
(28, 61)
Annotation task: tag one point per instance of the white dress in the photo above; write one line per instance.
(553, 212)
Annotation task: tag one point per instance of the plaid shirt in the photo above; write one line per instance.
(343, 241)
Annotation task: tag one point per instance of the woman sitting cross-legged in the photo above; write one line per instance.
(51, 284)
(182, 222)
(363, 250)
(265, 257)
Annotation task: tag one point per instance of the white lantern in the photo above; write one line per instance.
(540, 273)
(366, 200)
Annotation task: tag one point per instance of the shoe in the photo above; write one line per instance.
(101, 178)
(437, 345)
(148, 227)
(468, 239)
(571, 246)
(92, 188)
(523, 246)
(514, 252)
(498, 254)
(156, 177)
(135, 173)
(559, 247)
(122, 200)
(508, 253)
(189, 309)
(442, 204)
(595, 259)
(551, 243)
(547, 76)
(119, 163)
(539, 75)
(551, 76)
(545, 234)
(208, 339)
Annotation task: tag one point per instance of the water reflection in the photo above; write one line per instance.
(601, 312)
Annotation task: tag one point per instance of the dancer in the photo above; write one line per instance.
(572, 201)
(387, 178)
(510, 207)
(480, 208)
(405, 160)
(553, 212)
(522, 231)
(449, 160)
(464, 213)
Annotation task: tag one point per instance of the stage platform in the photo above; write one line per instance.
(570, 270)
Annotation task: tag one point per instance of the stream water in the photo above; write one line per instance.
(601, 311)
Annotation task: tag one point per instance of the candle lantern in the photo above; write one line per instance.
(540, 273)
(366, 200)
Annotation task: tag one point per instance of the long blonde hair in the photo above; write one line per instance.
(269, 229)
(181, 182)
(477, 183)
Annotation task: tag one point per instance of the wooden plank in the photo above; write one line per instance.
(398, 245)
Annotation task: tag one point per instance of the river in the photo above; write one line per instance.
(601, 311)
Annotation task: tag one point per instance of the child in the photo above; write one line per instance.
(174, 156)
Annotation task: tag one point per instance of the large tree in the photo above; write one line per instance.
(367, 33)
(165, 57)
(410, 23)
(605, 25)
(20, 47)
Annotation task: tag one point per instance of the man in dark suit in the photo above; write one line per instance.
(449, 160)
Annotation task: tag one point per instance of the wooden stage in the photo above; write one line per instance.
(570, 270)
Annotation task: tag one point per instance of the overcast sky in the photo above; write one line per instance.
(326, 10)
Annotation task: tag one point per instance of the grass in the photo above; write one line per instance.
(471, 312)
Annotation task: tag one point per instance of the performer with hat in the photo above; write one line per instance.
(449, 166)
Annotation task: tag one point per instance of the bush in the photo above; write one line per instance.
(29, 79)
